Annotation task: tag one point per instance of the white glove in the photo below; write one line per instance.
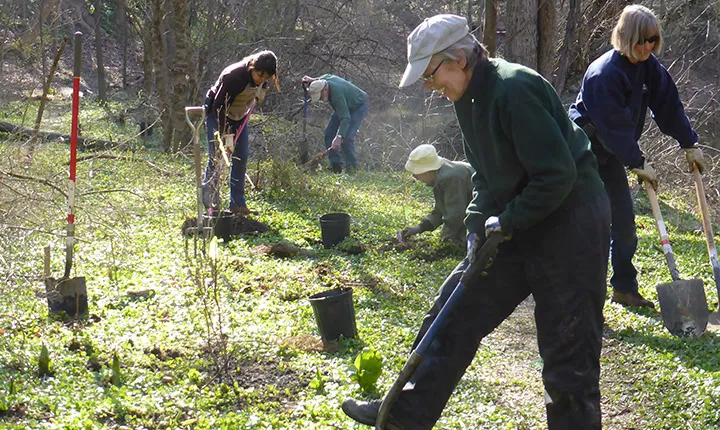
(646, 173)
(492, 225)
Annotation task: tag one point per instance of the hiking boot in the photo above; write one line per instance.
(366, 412)
(242, 210)
(336, 168)
(631, 299)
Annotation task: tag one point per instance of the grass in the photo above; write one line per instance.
(230, 341)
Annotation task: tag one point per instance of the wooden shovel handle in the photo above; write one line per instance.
(707, 225)
(664, 240)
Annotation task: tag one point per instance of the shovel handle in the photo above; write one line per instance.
(482, 261)
(707, 226)
(199, 111)
(664, 240)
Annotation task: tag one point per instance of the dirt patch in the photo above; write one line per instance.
(278, 249)
(227, 226)
(262, 375)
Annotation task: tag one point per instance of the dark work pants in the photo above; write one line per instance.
(238, 168)
(623, 236)
(348, 146)
(562, 262)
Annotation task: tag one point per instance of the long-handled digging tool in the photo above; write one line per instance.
(229, 145)
(709, 240)
(482, 261)
(683, 305)
(707, 227)
(198, 230)
(70, 294)
(304, 156)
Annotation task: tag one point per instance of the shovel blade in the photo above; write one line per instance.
(683, 307)
(67, 294)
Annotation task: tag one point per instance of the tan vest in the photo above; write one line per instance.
(241, 103)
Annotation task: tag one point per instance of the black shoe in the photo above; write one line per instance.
(336, 168)
(366, 412)
(631, 299)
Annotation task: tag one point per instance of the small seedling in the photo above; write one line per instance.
(45, 365)
(115, 377)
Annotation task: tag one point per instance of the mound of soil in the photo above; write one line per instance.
(226, 226)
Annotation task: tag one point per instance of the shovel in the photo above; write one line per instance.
(304, 144)
(709, 238)
(70, 294)
(229, 146)
(198, 112)
(483, 257)
(683, 305)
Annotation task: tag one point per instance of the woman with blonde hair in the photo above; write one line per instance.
(616, 91)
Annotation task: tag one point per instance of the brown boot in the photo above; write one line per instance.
(631, 299)
(242, 210)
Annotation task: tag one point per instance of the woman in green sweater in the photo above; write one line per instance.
(537, 184)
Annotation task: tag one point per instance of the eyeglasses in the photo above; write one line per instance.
(430, 77)
(651, 40)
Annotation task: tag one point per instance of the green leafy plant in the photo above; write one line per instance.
(366, 369)
(115, 377)
(45, 364)
(318, 383)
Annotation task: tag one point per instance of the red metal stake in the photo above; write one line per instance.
(70, 241)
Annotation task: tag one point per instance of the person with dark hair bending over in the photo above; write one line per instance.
(227, 104)
(616, 91)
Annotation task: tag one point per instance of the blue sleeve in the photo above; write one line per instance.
(667, 109)
(604, 95)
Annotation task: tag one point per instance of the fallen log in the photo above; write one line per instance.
(85, 143)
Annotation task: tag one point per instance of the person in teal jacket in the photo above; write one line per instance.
(350, 106)
(452, 186)
(536, 184)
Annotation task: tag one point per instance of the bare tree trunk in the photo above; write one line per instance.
(46, 8)
(569, 45)
(46, 87)
(147, 61)
(468, 13)
(162, 84)
(102, 96)
(522, 35)
(546, 38)
(490, 30)
(178, 73)
(122, 26)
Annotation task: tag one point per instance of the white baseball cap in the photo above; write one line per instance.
(423, 159)
(430, 37)
(316, 88)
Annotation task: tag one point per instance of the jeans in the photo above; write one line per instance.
(238, 168)
(562, 262)
(348, 145)
(623, 236)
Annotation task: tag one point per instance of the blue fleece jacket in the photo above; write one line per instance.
(615, 95)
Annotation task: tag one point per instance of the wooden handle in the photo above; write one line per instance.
(664, 240)
(707, 226)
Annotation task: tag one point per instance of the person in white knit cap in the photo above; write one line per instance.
(452, 186)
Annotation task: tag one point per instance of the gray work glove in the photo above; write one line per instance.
(410, 231)
(646, 173)
(474, 243)
(694, 155)
(492, 225)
